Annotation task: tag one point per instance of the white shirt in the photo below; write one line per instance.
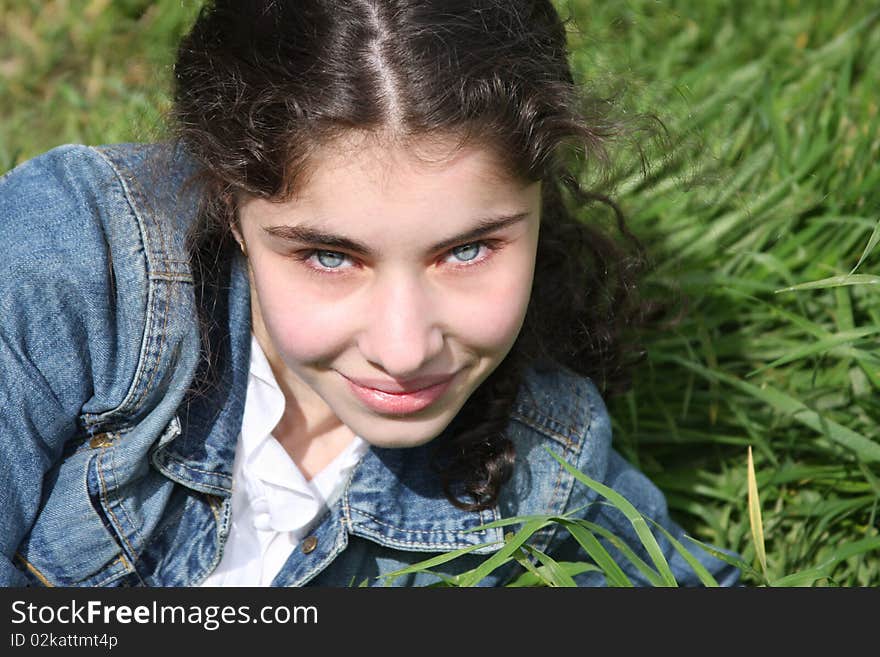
(273, 506)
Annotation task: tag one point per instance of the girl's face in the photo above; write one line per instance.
(389, 288)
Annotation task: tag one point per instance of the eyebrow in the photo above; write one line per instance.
(309, 235)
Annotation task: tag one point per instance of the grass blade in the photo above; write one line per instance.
(820, 346)
(872, 242)
(808, 577)
(504, 554)
(732, 560)
(543, 577)
(864, 448)
(834, 281)
(613, 572)
(650, 574)
(571, 569)
(556, 575)
(427, 564)
(630, 512)
(699, 569)
(755, 514)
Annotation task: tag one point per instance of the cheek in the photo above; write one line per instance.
(304, 323)
(491, 319)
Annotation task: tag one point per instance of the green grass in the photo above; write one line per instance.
(761, 211)
(94, 71)
(764, 220)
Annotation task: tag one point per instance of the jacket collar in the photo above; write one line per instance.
(395, 499)
(201, 457)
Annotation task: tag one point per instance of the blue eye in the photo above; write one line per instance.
(330, 259)
(466, 252)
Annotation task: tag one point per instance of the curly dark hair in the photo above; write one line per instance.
(261, 86)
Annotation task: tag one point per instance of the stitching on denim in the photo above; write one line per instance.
(172, 276)
(532, 416)
(116, 574)
(89, 419)
(347, 521)
(33, 569)
(134, 528)
(442, 545)
(339, 546)
(546, 533)
(494, 515)
(541, 421)
(214, 505)
(346, 501)
(565, 440)
(133, 571)
(221, 530)
(560, 505)
(110, 576)
(557, 503)
(142, 365)
(168, 457)
(158, 357)
(127, 567)
(183, 464)
(419, 531)
(108, 507)
(138, 193)
(135, 197)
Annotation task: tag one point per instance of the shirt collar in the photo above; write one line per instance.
(259, 366)
(289, 500)
(264, 402)
(394, 498)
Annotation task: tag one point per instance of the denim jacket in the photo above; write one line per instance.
(115, 470)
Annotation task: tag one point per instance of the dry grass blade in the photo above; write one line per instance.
(755, 515)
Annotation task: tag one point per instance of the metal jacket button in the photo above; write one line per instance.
(101, 440)
(309, 544)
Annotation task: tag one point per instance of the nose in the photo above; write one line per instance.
(402, 332)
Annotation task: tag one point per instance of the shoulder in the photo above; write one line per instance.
(561, 411)
(57, 329)
(54, 214)
(87, 267)
(69, 221)
(74, 197)
(98, 220)
(52, 196)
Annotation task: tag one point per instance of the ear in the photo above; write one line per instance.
(232, 200)
(236, 233)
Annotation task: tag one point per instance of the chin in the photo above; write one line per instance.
(398, 433)
(398, 443)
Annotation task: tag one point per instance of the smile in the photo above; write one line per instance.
(399, 403)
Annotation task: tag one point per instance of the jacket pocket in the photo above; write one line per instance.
(72, 542)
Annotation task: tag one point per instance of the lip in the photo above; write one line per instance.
(397, 399)
(402, 387)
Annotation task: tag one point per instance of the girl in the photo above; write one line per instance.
(338, 326)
